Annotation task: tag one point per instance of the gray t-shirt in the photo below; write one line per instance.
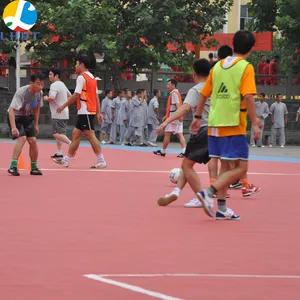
(278, 112)
(152, 117)
(24, 102)
(192, 98)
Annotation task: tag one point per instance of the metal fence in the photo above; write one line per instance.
(287, 85)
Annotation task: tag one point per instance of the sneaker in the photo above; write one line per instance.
(36, 171)
(57, 156)
(236, 185)
(128, 144)
(61, 162)
(152, 144)
(13, 171)
(99, 165)
(246, 192)
(207, 203)
(194, 203)
(167, 199)
(158, 152)
(228, 215)
(143, 145)
(181, 155)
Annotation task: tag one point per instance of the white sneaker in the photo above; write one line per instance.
(282, 146)
(99, 165)
(103, 142)
(194, 203)
(207, 202)
(152, 144)
(61, 162)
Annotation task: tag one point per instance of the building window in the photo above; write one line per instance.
(245, 19)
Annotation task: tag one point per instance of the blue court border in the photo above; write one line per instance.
(170, 151)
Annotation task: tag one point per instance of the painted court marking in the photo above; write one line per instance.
(145, 171)
(103, 278)
(130, 287)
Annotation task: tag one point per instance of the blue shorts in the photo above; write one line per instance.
(228, 147)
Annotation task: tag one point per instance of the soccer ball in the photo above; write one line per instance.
(174, 175)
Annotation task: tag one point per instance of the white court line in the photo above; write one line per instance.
(204, 275)
(144, 171)
(130, 287)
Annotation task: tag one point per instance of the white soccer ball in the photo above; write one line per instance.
(174, 175)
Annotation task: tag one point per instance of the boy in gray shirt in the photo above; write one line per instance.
(152, 118)
(278, 112)
(106, 111)
(23, 120)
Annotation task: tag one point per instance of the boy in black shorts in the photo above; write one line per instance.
(197, 146)
(23, 119)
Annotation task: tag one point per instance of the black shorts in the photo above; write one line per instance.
(85, 122)
(25, 126)
(59, 126)
(197, 147)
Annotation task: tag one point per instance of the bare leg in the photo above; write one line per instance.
(20, 142)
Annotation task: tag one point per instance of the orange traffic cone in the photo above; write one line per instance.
(21, 162)
(29, 167)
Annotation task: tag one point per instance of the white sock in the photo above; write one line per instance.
(67, 157)
(100, 157)
(59, 152)
(183, 150)
(163, 151)
(176, 191)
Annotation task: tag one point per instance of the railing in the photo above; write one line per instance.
(288, 85)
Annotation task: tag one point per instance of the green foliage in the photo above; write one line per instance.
(263, 13)
(133, 32)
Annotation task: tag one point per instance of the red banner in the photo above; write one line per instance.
(264, 41)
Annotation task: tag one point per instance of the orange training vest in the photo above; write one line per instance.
(169, 102)
(88, 94)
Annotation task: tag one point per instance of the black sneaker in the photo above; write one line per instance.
(57, 156)
(36, 171)
(158, 152)
(181, 155)
(13, 171)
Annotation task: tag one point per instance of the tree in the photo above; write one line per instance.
(280, 16)
(134, 33)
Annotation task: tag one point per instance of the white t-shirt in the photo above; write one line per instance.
(61, 93)
(80, 83)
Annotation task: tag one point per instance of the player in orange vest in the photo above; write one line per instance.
(88, 106)
(176, 127)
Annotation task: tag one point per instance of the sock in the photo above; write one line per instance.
(163, 151)
(212, 181)
(222, 205)
(245, 183)
(67, 157)
(14, 163)
(59, 152)
(33, 165)
(100, 158)
(176, 191)
(211, 191)
(183, 150)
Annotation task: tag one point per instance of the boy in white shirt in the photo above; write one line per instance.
(58, 95)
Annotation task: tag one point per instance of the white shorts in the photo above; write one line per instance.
(174, 128)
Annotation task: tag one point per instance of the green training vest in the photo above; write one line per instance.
(225, 101)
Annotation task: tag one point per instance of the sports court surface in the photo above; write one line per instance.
(76, 233)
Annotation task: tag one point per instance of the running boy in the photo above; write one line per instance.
(88, 106)
(231, 86)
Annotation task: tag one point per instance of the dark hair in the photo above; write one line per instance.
(243, 41)
(36, 76)
(277, 95)
(155, 92)
(140, 91)
(267, 61)
(201, 67)
(224, 51)
(210, 55)
(276, 57)
(55, 72)
(173, 81)
(107, 92)
(263, 94)
(84, 59)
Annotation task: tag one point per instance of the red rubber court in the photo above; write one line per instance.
(98, 234)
